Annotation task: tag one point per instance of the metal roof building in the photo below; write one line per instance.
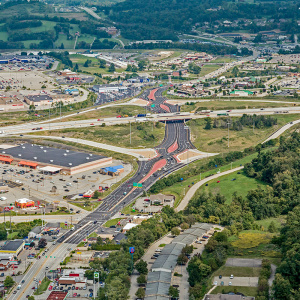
(157, 289)
(159, 276)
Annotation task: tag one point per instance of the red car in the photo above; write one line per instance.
(99, 199)
(119, 116)
(92, 124)
(50, 288)
(218, 181)
(75, 295)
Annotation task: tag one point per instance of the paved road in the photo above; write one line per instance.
(191, 192)
(148, 172)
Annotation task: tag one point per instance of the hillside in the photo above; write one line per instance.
(36, 25)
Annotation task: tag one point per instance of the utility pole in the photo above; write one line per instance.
(130, 131)
(228, 123)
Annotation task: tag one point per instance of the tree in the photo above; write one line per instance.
(142, 64)
(111, 68)
(134, 69)
(96, 194)
(173, 292)
(182, 259)
(102, 63)
(31, 298)
(42, 243)
(140, 293)
(272, 227)
(86, 64)
(141, 279)
(208, 122)
(3, 234)
(281, 288)
(175, 231)
(8, 282)
(184, 226)
(141, 267)
(62, 46)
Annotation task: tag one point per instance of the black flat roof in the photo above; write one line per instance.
(12, 245)
(51, 156)
(38, 98)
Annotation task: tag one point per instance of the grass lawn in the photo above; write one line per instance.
(143, 135)
(227, 187)
(93, 234)
(113, 111)
(42, 287)
(178, 189)
(231, 104)
(12, 235)
(223, 59)
(112, 222)
(279, 222)
(237, 271)
(208, 68)
(216, 139)
(245, 290)
(3, 35)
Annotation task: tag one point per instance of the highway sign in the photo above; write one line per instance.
(136, 184)
(152, 105)
(96, 275)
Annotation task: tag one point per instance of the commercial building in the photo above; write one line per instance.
(5, 261)
(108, 88)
(112, 171)
(66, 161)
(240, 93)
(12, 59)
(13, 247)
(35, 232)
(44, 99)
(24, 203)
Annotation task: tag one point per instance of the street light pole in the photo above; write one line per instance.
(228, 123)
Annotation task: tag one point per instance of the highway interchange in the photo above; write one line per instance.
(176, 140)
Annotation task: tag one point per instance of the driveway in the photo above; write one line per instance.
(238, 281)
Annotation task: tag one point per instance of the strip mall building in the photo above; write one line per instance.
(51, 160)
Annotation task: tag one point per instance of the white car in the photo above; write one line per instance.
(230, 283)
(216, 283)
(231, 276)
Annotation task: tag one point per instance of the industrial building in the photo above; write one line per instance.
(12, 59)
(44, 99)
(55, 160)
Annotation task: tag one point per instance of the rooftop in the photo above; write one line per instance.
(49, 155)
(57, 295)
(13, 245)
(38, 98)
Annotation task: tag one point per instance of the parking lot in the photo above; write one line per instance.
(51, 189)
(114, 96)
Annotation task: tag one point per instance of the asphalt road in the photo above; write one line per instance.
(175, 141)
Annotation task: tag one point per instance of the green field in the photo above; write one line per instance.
(179, 189)
(112, 222)
(223, 60)
(237, 271)
(208, 68)
(42, 287)
(227, 187)
(279, 222)
(216, 139)
(232, 104)
(143, 135)
(247, 291)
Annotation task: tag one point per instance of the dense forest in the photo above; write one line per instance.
(164, 19)
(279, 169)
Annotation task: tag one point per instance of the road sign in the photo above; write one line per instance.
(136, 184)
(131, 250)
(78, 252)
(96, 275)
(152, 105)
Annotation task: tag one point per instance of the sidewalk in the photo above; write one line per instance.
(184, 202)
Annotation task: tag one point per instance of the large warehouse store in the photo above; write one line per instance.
(51, 160)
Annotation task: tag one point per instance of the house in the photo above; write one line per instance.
(179, 72)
